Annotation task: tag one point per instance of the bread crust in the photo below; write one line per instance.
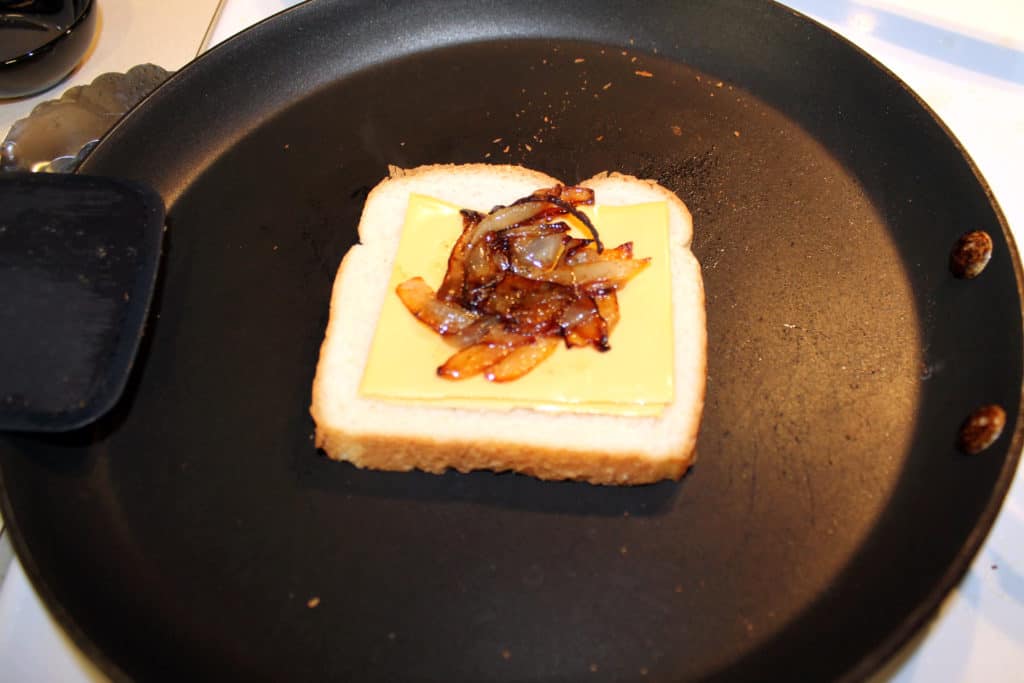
(402, 454)
(344, 439)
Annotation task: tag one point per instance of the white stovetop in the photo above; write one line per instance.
(966, 59)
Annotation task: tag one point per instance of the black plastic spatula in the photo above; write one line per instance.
(78, 261)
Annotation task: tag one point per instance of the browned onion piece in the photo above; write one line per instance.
(582, 253)
(455, 277)
(608, 308)
(565, 200)
(501, 335)
(576, 195)
(505, 296)
(443, 317)
(531, 307)
(473, 360)
(522, 360)
(531, 254)
(577, 312)
(591, 332)
(509, 294)
(578, 251)
(475, 333)
(517, 284)
(587, 253)
(473, 263)
(545, 251)
(484, 267)
(533, 230)
(545, 193)
(572, 194)
(607, 274)
(562, 275)
(582, 218)
(506, 217)
(583, 325)
(622, 252)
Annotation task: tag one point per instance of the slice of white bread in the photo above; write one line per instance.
(599, 449)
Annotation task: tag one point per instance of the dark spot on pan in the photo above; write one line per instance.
(689, 177)
(981, 429)
(971, 254)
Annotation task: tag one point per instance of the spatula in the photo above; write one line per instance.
(78, 263)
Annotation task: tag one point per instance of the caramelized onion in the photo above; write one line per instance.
(534, 230)
(475, 333)
(540, 253)
(623, 252)
(608, 308)
(443, 317)
(592, 333)
(521, 360)
(577, 195)
(577, 312)
(571, 194)
(517, 285)
(582, 252)
(531, 306)
(473, 360)
(506, 217)
(582, 218)
(566, 199)
(582, 325)
(586, 252)
(484, 266)
(503, 335)
(607, 274)
(455, 278)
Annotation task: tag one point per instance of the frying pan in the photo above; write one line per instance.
(196, 532)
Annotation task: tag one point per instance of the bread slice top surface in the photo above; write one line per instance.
(361, 286)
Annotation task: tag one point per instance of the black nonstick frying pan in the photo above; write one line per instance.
(196, 533)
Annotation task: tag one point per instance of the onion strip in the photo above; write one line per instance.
(517, 285)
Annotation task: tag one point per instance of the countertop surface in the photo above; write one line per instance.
(966, 60)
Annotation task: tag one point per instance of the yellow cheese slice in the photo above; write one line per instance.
(633, 378)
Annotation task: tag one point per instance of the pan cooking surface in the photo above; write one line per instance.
(198, 533)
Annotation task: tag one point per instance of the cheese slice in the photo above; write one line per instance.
(633, 378)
